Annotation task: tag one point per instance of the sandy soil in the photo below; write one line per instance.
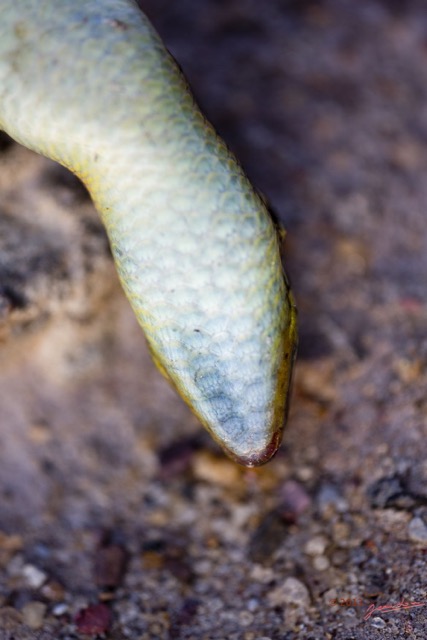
(119, 518)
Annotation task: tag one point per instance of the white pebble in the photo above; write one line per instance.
(60, 609)
(33, 576)
(316, 546)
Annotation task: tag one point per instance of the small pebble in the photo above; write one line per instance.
(305, 473)
(293, 501)
(245, 618)
(417, 530)
(341, 533)
(253, 604)
(261, 574)
(215, 470)
(330, 500)
(292, 591)
(94, 619)
(156, 630)
(33, 576)
(33, 614)
(11, 543)
(60, 609)
(378, 623)
(316, 546)
(321, 563)
(53, 590)
(203, 567)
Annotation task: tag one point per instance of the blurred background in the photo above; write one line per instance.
(116, 510)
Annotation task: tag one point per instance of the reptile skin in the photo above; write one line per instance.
(89, 84)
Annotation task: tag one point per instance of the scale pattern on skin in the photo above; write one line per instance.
(90, 84)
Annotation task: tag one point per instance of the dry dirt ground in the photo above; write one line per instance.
(118, 516)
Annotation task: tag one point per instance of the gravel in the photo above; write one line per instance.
(119, 518)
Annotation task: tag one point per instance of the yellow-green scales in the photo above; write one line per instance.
(89, 84)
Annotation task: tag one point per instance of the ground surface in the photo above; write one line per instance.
(117, 515)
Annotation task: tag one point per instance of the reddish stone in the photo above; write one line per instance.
(94, 619)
